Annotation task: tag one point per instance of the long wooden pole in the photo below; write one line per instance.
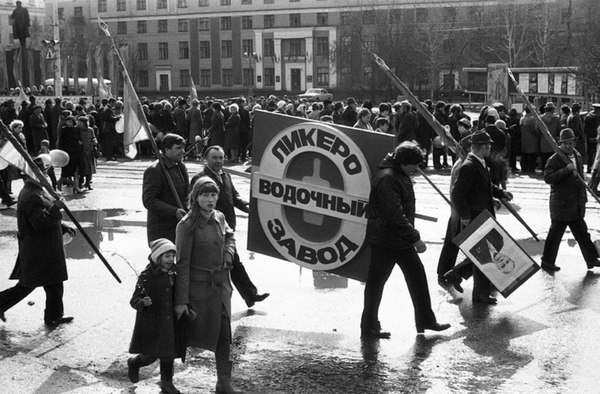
(140, 112)
(438, 128)
(546, 133)
(42, 181)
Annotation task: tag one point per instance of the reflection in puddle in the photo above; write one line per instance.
(325, 280)
(98, 224)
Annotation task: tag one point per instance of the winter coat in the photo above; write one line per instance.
(217, 129)
(567, 194)
(473, 190)
(194, 116)
(406, 126)
(575, 123)
(154, 330)
(229, 198)
(552, 121)
(391, 209)
(232, 132)
(41, 259)
(203, 282)
(530, 135)
(182, 127)
(349, 116)
(159, 200)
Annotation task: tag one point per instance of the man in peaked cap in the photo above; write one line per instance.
(567, 204)
(472, 194)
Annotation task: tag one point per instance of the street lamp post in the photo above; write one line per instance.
(250, 56)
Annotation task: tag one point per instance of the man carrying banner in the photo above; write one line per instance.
(567, 204)
(41, 259)
(394, 240)
(472, 194)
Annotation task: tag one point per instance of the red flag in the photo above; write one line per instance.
(134, 129)
(11, 156)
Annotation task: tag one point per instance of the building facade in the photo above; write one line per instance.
(282, 45)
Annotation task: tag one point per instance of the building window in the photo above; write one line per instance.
(161, 4)
(182, 25)
(269, 47)
(421, 15)
(101, 5)
(121, 27)
(269, 77)
(202, 3)
(294, 1)
(141, 27)
(78, 12)
(269, 1)
(395, 16)
(140, 5)
(294, 20)
(182, 4)
(204, 50)
(184, 50)
(204, 77)
(322, 46)
(163, 50)
(247, 46)
(225, 2)
(322, 18)
(246, 22)
(367, 74)
(369, 17)
(163, 26)
(203, 24)
(345, 18)
(295, 47)
(346, 75)
(269, 21)
(184, 78)
(227, 77)
(226, 23)
(142, 51)
(61, 14)
(121, 5)
(248, 77)
(246, 2)
(226, 50)
(143, 78)
(322, 76)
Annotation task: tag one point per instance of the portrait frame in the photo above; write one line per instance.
(497, 255)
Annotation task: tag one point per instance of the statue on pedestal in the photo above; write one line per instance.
(20, 23)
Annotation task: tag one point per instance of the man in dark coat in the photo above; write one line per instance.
(591, 122)
(394, 240)
(350, 115)
(20, 23)
(229, 199)
(567, 204)
(41, 259)
(163, 210)
(406, 123)
(109, 131)
(472, 194)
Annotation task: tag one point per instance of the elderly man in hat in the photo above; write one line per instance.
(567, 203)
(41, 259)
(472, 194)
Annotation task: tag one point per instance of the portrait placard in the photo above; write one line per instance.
(489, 246)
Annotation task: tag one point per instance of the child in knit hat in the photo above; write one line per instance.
(154, 332)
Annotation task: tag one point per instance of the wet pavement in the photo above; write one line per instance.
(305, 337)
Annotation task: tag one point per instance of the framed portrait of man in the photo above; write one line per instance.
(496, 254)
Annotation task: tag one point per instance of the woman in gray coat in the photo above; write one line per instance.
(205, 250)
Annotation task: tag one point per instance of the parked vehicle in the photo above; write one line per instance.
(316, 94)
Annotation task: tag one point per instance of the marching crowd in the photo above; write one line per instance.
(192, 221)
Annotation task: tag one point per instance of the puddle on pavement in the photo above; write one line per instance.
(100, 226)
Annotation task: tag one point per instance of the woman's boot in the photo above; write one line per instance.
(166, 378)
(224, 385)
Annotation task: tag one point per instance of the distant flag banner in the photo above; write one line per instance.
(134, 128)
(193, 91)
(22, 95)
(103, 26)
(10, 156)
(103, 90)
(17, 64)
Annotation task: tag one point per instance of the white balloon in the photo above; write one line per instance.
(120, 125)
(60, 158)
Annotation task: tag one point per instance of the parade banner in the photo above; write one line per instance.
(309, 191)
(489, 246)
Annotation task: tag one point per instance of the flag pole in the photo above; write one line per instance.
(546, 133)
(104, 27)
(42, 181)
(437, 127)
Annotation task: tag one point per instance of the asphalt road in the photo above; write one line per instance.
(305, 337)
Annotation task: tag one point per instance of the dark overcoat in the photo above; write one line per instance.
(391, 209)
(567, 194)
(154, 330)
(159, 200)
(41, 259)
